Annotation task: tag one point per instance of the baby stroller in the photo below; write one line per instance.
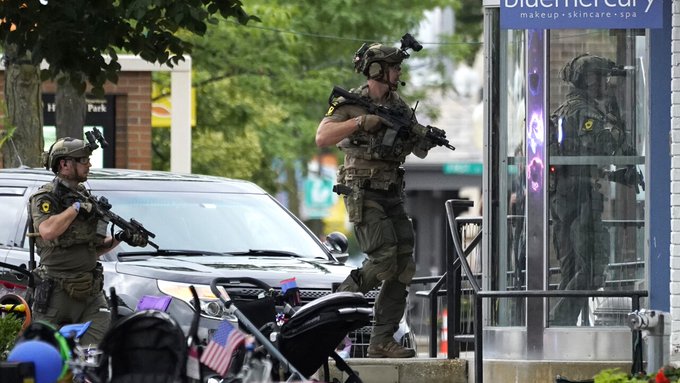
(144, 346)
(147, 346)
(311, 334)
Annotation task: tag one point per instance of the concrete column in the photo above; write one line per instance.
(675, 187)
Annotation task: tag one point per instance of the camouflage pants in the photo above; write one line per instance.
(386, 235)
(64, 310)
(582, 246)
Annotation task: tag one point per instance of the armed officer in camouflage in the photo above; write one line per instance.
(70, 236)
(586, 124)
(373, 184)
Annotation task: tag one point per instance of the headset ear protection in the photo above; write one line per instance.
(375, 70)
(46, 157)
(568, 73)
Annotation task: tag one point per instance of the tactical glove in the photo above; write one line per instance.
(82, 207)
(138, 240)
(371, 122)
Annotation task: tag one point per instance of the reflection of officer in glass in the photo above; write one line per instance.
(588, 123)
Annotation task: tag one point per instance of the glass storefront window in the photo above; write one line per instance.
(596, 122)
(597, 128)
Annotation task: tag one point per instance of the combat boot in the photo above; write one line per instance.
(391, 349)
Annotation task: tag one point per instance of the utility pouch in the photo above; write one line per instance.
(79, 287)
(355, 205)
(98, 282)
(42, 293)
(102, 225)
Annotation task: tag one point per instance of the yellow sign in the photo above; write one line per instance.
(161, 107)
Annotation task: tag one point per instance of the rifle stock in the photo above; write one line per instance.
(397, 122)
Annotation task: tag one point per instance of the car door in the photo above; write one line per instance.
(14, 196)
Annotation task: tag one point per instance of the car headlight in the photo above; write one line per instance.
(211, 305)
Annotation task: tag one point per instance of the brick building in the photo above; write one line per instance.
(124, 115)
(131, 117)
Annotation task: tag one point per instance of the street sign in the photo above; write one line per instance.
(463, 168)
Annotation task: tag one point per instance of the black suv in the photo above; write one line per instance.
(205, 227)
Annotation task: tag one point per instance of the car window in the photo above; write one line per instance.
(12, 206)
(219, 222)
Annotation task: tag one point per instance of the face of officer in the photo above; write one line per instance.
(75, 169)
(597, 85)
(393, 76)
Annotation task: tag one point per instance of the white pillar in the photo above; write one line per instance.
(180, 125)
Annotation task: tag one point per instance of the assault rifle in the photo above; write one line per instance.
(102, 207)
(398, 123)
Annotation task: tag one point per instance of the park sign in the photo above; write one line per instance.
(581, 14)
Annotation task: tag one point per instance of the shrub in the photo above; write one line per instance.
(10, 326)
(666, 374)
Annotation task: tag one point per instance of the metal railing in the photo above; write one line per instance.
(457, 266)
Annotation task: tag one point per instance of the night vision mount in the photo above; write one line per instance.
(93, 137)
(409, 42)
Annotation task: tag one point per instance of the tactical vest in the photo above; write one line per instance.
(75, 249)
(581, 127)
(584, 128)
(368, 161)
(370, 146)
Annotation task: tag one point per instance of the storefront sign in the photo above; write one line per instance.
(581, 14)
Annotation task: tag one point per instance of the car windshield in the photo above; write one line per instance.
(215, 222)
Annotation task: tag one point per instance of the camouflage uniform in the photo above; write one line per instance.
(69, 264)
(580, 127)
(376, 208)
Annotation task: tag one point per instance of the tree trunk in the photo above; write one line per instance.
(23, 95)
(71, 109)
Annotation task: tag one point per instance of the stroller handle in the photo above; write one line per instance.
(295, 375)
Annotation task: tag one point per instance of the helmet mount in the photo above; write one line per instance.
(69, 147)
(578, 68)
(372, 60)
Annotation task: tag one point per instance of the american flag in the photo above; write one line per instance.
(217, 355)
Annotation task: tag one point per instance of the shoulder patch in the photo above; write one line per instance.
(588, 125)
(45, 205)
(331, 109)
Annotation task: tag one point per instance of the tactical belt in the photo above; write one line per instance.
(78, 285)
(375, 179)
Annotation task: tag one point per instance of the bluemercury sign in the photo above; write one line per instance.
(581, 14)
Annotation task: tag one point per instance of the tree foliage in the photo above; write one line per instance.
(72, 35)
(266, 84)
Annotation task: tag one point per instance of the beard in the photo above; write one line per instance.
(78, 176)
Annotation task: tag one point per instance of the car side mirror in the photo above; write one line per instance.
(337, 243)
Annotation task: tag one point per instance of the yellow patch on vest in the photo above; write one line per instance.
(331, 109)
(588, 125)
(45, 206)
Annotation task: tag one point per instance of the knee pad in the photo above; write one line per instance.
(407, 271)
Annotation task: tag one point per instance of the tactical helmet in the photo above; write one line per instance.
(576, 69)
(65, 147)
(378, 54)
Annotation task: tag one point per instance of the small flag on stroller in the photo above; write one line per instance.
(217, 355)
(290, 291)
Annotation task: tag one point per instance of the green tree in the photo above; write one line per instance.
(265, 84)
(78, 39)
